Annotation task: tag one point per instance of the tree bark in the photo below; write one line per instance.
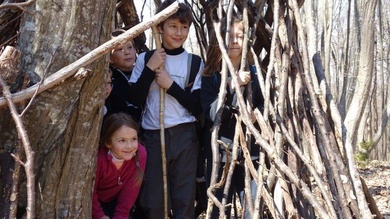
(128, 12)
(354, 114)
(64, 122)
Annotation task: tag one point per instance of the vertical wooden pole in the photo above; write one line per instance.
(156, 36)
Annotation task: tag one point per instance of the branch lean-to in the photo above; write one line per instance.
(90, 57)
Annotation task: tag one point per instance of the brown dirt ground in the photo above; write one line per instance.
(377, 177)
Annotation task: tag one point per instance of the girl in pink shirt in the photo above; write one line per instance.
(120, 166)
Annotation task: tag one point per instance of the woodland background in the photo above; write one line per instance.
(326, 67)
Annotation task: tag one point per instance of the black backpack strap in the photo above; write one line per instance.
(148, 54)
(195, 65)
(189, 62)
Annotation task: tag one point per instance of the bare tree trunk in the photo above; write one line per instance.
(380, 108)
(359, 99)
(328, 28)
(346, 64)
(128, 13)
(64, 122)
(366, 66)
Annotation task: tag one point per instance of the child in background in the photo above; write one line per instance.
(211, 81)
(120, 165)
(122, 61)
(181, 107)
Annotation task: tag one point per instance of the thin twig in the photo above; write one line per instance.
(29, 164)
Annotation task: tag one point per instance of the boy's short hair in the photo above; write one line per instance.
(118, 32)
(184, 13)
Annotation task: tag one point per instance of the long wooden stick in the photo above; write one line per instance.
(90, 57)
(156, 36)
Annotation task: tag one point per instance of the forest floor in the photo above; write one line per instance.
(377, 177)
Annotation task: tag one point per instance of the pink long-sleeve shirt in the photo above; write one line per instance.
(111, 183)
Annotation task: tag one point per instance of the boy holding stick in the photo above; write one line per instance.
(181, 107)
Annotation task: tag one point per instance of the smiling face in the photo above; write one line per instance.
(123, 57)
(123, 143)
(236, 38)
(174, 33)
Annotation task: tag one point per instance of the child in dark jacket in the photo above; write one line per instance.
(211, 82)
(122, 61)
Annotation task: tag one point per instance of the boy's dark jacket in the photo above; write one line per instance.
(120, 98)
(210, 89)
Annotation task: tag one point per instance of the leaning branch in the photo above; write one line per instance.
(29, 164)
(87, 59)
